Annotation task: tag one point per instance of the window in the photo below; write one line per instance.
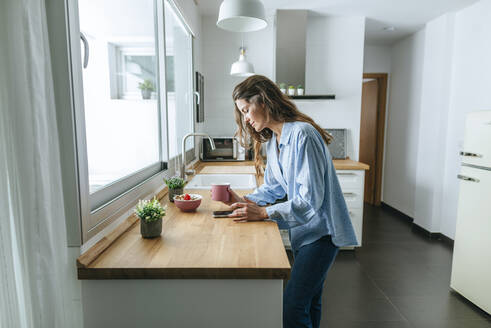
(136, 79)
(179, 80)
(130, 65)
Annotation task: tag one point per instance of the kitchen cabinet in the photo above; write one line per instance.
(353, 185)
(201, 272)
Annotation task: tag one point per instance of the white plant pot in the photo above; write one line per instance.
(283, 90)
(300, 92)
(291, 92)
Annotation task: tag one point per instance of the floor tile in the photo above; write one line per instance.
(436, 307)
(365, 324)
(360, 310)
(399, 278)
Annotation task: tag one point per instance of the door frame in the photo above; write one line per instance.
(382, 79)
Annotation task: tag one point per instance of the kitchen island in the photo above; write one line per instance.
(201, 272)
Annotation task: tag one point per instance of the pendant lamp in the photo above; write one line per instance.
(241, 15)
(242, 67)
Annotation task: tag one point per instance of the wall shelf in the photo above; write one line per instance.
(313, 97)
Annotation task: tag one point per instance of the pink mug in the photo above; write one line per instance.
(219, 192)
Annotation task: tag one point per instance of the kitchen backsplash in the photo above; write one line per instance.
(337, 147)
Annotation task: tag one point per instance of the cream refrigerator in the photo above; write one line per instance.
(471, 267)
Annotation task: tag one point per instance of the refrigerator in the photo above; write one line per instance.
(471, 265)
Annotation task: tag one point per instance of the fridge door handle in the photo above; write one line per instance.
(86, 49)
(465, 153)
(465, 178)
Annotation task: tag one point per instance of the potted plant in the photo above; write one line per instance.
(150, 213)
(291, 90)
(283, 87)
(300, 90)
(146, 89)
(175, 185)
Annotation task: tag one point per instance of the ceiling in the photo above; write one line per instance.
(406, 16)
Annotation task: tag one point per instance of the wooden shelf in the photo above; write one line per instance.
(313, 97)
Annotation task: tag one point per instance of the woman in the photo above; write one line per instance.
(298, 166)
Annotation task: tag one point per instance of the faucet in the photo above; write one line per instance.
(183, 154)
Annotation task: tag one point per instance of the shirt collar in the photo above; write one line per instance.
(286, 133)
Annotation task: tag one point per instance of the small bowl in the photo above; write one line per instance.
(188, 205)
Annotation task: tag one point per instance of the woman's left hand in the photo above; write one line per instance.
(248, 211)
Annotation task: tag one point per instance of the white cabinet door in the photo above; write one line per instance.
(352, 184)
(356, 216)
(350, 180)
(477, 144)
(471, 268)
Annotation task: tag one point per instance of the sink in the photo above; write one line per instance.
(237, 181)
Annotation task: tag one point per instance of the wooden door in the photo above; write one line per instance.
(368, 135)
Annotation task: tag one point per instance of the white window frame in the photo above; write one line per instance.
(191, 152)
(117, 68)
(108, 204)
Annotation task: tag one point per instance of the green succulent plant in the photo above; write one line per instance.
(150, 210)
(175, 183)
(146, 85)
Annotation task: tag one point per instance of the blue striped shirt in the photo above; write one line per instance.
(301, 167)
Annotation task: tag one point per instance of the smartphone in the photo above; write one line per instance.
(221, 214)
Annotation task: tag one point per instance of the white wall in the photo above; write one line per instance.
(220, 49)
(433, 114)
(438, 75)
(470, 91)
(377, 59)
(334, 65)
(403, 123)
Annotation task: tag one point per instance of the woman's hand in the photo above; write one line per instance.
(248, 211)
(234, 198)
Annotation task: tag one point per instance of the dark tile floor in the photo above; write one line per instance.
(399, 278)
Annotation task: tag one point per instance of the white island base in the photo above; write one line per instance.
(182, 303)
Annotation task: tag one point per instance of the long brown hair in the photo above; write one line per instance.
(259, 89)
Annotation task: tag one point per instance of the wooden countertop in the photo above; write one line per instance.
(192, 246)
(339, 164)
(349, 164)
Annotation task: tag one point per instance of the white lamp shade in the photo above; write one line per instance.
(242, 15)
(242, 67)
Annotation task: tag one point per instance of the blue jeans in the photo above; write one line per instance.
(302, 295)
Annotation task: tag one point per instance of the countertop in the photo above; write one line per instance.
(339, 164)
(194, 245)
(349, 164)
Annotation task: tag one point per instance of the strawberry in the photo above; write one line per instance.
(187, 197)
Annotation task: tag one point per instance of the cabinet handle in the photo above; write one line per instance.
(342, 173)
(463, 177)
(464, 153)
(349, 194)
(86, 49)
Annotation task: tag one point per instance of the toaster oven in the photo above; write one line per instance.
(226, 149)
